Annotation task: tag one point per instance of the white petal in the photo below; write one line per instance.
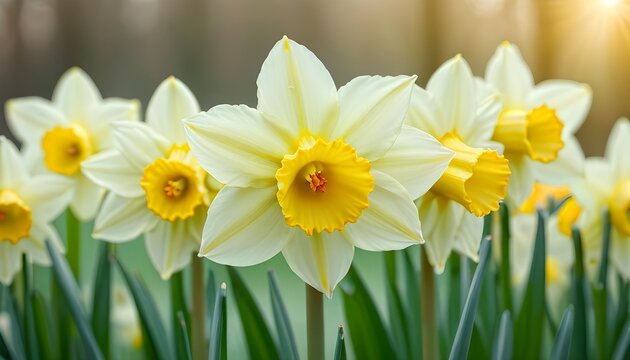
(35, 246)
(441, 219)
(510, 75)
(237, 145)
(171, 102)
(170, 247)
(523, 232)
(296, 92)
(123, 219)
(566, 169)
(618, 148)
(140, 144)
(469, 236)
(30, 117)
(453, 86)
(489, 106)
(245, 226)
(111, 170)
(373, 107)
(99, 124)
(426, 114)
(391, 220)
(75, 94)
(600, 181)
(321, 260)
(12, 170)
(416, 160)
(521, 181)
(87, 198)
(620, 253)
(570, 99)
(10, 262)
(48, 195)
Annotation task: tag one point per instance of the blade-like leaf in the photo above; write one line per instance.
(506, 276)
(30, 332)
(211, 296)
(71, 293)
(599, 292)
(412, 305)
(562, 344)
(152, 326)
(178, 305)
(218, 329)
(42, 325)
(340, 346)
(466, 324)
(260, 343)
(623, 346)
(530, 320)
(621, 314)
(369, 338)
(15, 343)
(578, 296)
(288, 349)
(396, 312)
(101, 298)
(503, 341)
(182, 329)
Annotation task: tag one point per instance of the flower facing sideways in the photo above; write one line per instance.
(537, 123)
(27, 206)
(157, 188)
(61, 134)
(314, 171)
(461, 113)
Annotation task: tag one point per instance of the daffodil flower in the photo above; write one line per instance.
(27, 206)
(314, 171)
(606, 185)
(460, 111)
(59, 135)
(537, 123)
(157, 188)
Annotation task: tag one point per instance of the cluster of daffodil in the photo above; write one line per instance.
(314, 171)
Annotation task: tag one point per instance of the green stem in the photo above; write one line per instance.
(178, 303)
(198, 318)
(428, 319)
(315, 323)
(506, 275)
(600, 293)
(73, 238)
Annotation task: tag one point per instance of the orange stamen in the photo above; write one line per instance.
(318, 182)
(2, 216)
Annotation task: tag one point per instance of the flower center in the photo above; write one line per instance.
(15, 217)
(65, 148)
(568, 215)
(537, 133)
(475, 178)
(175, 185)
(619, 207)
(323, 186)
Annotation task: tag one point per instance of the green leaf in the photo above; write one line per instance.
(466, 324)
(178, 305)
(218, 328)
(396, 312)
(599, 293)
(562, 343)
(32, 349)
(71, 293)
(621, 314)
(211, 295)
(369, 338)
(340, 346)
(288, 349)
(5, 351)
(16, 346)
(42, 325)
(623, 347)
(182, 329)
(259, 340)
(578, 295)
(506, 276)
(101, 297)
(530, 320)
(152, 327)
(503, 341)
(412, 305)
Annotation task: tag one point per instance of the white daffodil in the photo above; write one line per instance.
(59, 135)
(537, 123)
(606, 185)
(157, 188)
(461, 113)
(559, 245)
(314, 171)
(27, 206)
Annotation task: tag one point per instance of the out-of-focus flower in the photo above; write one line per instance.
(314, 172)
(157, 188)
(27, 206)
(461, 113)
(59, 135)
(127, 334)
(606, 185)
(537, 123)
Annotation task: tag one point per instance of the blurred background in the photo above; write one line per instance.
(218, 46)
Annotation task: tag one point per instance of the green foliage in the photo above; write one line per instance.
(101, 297)
(218, 328)
(288, 349)
(502, 348)
(340, 346)
(562, 344)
